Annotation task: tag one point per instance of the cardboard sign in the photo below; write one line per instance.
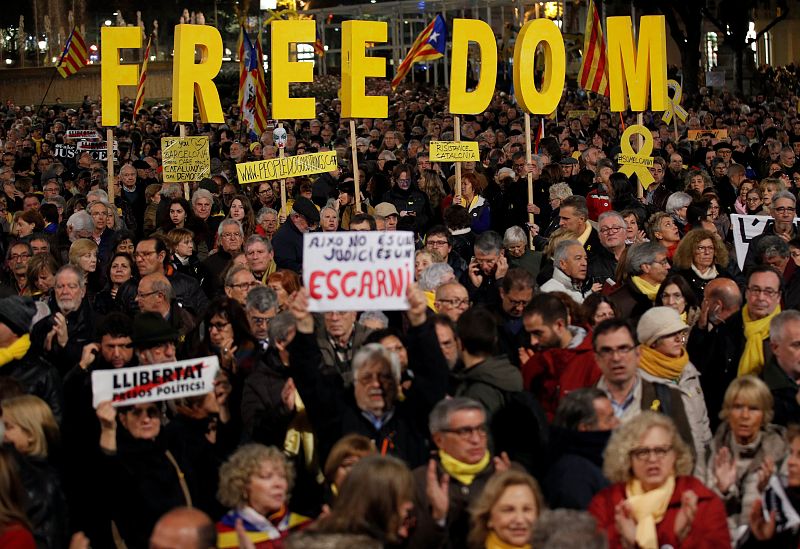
(291, 166)
(579, 113)
(455, 151)
(695, 135)
(185, 159)
(745, 228)
(84, 135)
(140, 384)
(358, 271)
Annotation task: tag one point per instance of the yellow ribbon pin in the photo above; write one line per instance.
(633, 162)
(674, 103)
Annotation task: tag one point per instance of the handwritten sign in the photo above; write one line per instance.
(291, 166)
(85, 135)
(185, 159)
(455, 151)
(358, 271)
(695, 135)
(140, 384)
(635, 160)
(70, 152)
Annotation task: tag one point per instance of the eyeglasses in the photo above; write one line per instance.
(644, 454)
(705, 249)
(781, 210)
(608, 352)
(769, 292)
(519, 166)
(663, 262)
(518, 302)
(455, 302)
(436, 243)
(146, 294)
(18, 257)
(610, 230)
(467, 432)
(244, 285)
(753, 199)
(142, 255)
(260, 320)
(151, 411)
(404, 181)
(681, 336)
(218, 326)
(231, 236)
(369, 379)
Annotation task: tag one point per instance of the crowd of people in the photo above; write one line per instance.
(613, 374)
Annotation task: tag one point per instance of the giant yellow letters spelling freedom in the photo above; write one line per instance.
(356, 67)
(190, 78)
(476, 101)
(634, 72)
(112, 74)
(637, 71)
(284, 71)
(555, 66)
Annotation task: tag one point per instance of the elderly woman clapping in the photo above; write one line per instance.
(654, 501)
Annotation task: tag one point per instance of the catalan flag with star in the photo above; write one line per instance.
(75, 55)
(428, 46)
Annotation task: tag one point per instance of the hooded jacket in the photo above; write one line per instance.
(488, 381)
(576, 472)
(552, 373)
(411, 199)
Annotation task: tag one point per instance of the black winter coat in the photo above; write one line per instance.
(576, 472)
(287, 243)
(38, 377)
(413, 200)
(332, 407)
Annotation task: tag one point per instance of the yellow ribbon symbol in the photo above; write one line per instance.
(674, 103)
(633, 162)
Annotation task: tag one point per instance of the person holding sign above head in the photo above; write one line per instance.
(370, 406)
(288, 240)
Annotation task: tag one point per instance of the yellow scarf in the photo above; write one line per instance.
(494, 542)
(648, 510)
(300, 433)
(430, 298)
(462, 472)
(661, 365)
(16, 350)
(648, 289)
(586, 234)
(756, 331)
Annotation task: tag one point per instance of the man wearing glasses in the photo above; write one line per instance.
(782, 210)
(603, 263)
(440, 240)
(616, 350)
(647, 268)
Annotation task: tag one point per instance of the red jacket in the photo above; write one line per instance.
(597, 202)
(709, 528)
(552, 373)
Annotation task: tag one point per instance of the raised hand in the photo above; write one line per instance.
(437, 490)
(299, 307)
(475, 275)
(626, 524)
(724, 469)
(502, 462)
(686, 514)
(763, 529)
(417, 305)
(502, 267)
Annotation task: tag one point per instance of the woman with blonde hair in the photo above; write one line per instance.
(83, 254)
(503, 516)
(654, 501)
(29, 425)
(742, 455)
(255, 484)
(343, 456)
(41, 276)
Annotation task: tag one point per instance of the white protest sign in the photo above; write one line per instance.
(745, 228)
(140, 384)
(358, 271)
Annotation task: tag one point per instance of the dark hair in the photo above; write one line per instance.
(764, 269)
(688, 294)
(518, 279)
(49, 212)
(477, 331)
(457, 217)
(122, 234)
(612, 325)
(549, 307)
(592, 303)
(378, 335)
(362, 217)
(440, 230)
(233, 312)
(115, 324)
(577, 408)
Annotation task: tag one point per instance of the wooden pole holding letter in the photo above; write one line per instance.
(281, 153)
(110, 163)
(356, 175)
(182, 130)
(528, 160)
(640, 139)
(457, 136)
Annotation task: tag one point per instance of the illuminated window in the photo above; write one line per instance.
(711, 50)
(305, 52)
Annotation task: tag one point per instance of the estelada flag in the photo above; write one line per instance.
(142, 79)
(75, 54)
(593, 75)
(428, 46)
(319, 49)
